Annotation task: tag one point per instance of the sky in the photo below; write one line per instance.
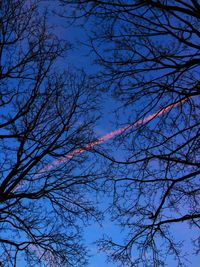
(79, 58)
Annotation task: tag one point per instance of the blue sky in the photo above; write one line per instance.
(78, 57)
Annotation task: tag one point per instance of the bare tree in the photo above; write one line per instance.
(44, 115)
(150, 56)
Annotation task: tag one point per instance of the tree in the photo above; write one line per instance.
(150, 55)
(45, 115)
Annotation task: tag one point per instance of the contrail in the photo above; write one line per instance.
(109, 136)
(102, 140)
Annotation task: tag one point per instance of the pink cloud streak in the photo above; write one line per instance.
(109, 136)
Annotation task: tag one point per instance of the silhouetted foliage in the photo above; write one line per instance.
(44, 115)
(150, 57)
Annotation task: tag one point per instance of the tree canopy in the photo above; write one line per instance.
(148, 56)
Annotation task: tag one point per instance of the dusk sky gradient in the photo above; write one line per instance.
(80, 58)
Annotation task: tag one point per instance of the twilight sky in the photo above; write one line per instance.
(80, 57)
